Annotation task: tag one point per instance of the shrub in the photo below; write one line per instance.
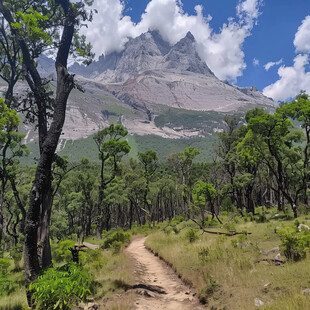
(203, 254)
(230, 227)
(191, 235)
(121, 236)
(178, 219)
(16, 253)
(7, 286)
(116, 246)
(261, 216)
(61, 288)
(62, 254)
(4, 266)
(207, 292)
(294, 244)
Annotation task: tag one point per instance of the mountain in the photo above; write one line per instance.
(149, 72)
(154, 89)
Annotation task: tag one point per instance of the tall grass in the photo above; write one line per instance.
(225, 271)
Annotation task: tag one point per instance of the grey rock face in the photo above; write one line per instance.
(147, 52)
(132, 87)
(104, 63)
(184, 57)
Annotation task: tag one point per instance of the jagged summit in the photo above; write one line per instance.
(183, 56)
(149, 51)
(162, 45)
(147, 78)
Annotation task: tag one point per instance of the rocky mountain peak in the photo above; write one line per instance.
(149, 51)
(190, 36)
(183, 56)
(162, 45)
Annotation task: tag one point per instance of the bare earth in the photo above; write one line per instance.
(158, 287)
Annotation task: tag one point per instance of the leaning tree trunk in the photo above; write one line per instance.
(41, 183)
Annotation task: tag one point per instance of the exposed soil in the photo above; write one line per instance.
(158, 287)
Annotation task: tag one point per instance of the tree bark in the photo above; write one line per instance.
(38, 215)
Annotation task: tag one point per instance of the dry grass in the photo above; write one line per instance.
(225, 272)
(111, 272)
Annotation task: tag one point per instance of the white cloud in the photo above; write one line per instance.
(292, 80)
(270, 64)
(222, 51)
(295, 78)
(109, 29)
(255, 62)
(302, 36)
(248, 11)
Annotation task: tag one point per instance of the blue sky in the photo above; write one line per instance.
(256, 32)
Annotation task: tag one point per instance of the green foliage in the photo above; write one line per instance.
(186, 119)
(203, 254)
(294, 243)
(7, 286)
(149, 161)
(191, 235)
(61, 252)
(207, 292)
(28, 25)
(116, 246)
(16, 253)
(203, 193)
(4, 266)
(118, 236)
(141, 230)
(61, 288)
(261, 216)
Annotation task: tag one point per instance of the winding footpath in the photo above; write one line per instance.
(158, 287)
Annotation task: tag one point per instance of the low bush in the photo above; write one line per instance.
(61, 288)
(7, 286)
(116, 246)
(191, 235)
(294, 243)
(4, 266)
(61, 252)
(120, 236)
(16, 252)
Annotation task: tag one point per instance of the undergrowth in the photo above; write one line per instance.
(230, 272)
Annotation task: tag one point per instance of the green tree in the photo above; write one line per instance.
(149, 163)
(183, 162)
(35, 27)
(204, 196)
(11, 148)
(272, 137)
(111, 150)
(299, 109)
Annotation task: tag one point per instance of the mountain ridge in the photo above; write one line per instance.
(153, 89)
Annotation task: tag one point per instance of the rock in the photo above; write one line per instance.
(92, 306)
(266, 287)
(258, 302)
(303, 227)
(273, 250)
(306, 291)
(278, 256)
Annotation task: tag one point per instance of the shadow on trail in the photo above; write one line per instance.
(152, 288)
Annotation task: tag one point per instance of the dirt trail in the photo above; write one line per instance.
(158, 287)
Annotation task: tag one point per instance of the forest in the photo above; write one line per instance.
(259, 174)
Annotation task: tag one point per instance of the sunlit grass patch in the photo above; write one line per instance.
(226, 271)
